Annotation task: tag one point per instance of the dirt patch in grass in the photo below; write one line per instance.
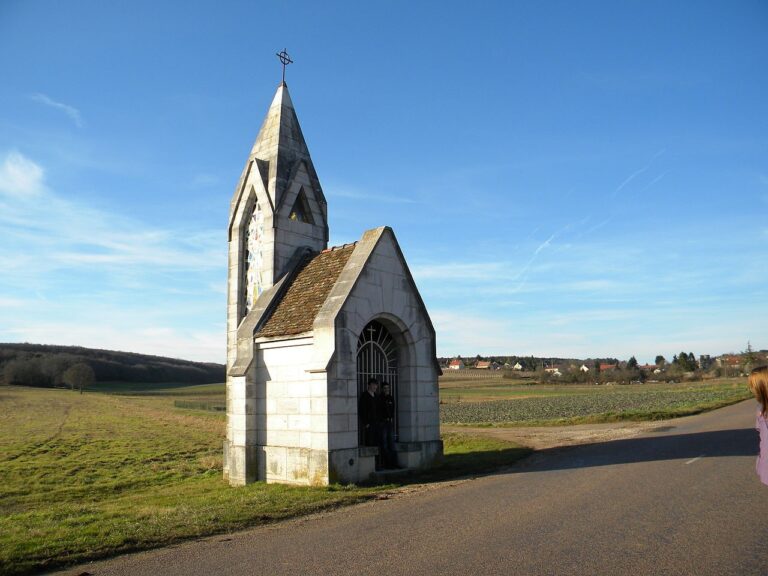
(543, 437)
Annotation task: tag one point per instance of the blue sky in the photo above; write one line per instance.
(573, 179)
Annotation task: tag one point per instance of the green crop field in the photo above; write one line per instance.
(84, 476)
(497, 403)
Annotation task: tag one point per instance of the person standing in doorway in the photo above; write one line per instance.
(387, 409)
(368, 409)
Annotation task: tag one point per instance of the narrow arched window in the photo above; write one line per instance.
(254, 236)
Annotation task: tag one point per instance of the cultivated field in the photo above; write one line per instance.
(499, 402)
(91, 475)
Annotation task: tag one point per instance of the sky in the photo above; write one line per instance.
(566, 179)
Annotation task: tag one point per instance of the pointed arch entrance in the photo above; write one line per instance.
(378, 356)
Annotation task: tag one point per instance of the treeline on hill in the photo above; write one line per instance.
(684, 366)
(528, 363)
(45, 365)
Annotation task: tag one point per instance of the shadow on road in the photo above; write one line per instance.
(720, 443)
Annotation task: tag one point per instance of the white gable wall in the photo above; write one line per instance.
(384, 291)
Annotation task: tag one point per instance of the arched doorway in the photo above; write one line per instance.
(377, 356)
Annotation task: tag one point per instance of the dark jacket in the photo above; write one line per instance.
(369, 410)
(387, 407)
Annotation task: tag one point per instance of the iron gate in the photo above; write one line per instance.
(377, 357)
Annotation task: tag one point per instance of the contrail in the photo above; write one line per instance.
(638, 172)
(70, 111)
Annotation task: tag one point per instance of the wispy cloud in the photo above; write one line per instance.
(71, 111)
(543, 245)
(637, 173)
(20, 176)
(75, 274)
(629, 179)
(655, 180)
(387, 198)
(204, 180)
(36, 221)
(459, 270)
(123, 333)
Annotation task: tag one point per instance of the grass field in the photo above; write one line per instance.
(499, 402)
(91, 475)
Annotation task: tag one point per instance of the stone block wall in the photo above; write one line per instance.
(293, 426)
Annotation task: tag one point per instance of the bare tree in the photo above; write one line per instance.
(79, 376)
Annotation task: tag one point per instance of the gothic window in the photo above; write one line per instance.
(254, 235)
(301, 210)
(377, 356)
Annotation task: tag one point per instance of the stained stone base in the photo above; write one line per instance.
(307, 467)
(240, 464)
(419, 454)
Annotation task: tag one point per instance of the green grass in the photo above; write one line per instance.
(162, 388)
(478, 404)
(91, 475)
(465, 453)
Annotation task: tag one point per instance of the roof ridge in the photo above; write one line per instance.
(332, 248)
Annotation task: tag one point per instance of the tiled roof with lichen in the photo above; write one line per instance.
(296, 311)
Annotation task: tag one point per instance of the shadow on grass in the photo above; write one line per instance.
(474, 463)
(457, 465)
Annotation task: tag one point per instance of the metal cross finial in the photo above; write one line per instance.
(284, 60)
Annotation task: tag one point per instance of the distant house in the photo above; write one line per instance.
(455, 364)
(584, 368)
(517, 366)
(648, 367)
(730, 360)
(554, 371)
(607, 367)
(483, 365)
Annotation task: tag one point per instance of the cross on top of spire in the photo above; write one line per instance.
(284, 60)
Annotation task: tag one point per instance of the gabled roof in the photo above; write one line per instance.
(308, 299)
(297, 309)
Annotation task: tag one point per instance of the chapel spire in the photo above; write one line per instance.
(278, 209)
(280, 148)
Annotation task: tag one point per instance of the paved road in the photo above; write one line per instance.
(682, 500)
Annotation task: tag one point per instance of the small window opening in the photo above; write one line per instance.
(301, 210)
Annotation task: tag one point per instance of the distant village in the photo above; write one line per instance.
(684, 366)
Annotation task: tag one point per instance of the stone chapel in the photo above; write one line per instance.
(308, 325)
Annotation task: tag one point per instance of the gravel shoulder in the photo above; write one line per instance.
(544, 437)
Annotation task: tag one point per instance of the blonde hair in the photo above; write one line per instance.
(758, 384)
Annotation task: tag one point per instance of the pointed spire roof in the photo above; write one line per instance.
(280, 147)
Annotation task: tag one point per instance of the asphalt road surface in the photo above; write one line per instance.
(683, 499)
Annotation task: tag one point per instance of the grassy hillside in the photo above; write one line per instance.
(44, 365)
